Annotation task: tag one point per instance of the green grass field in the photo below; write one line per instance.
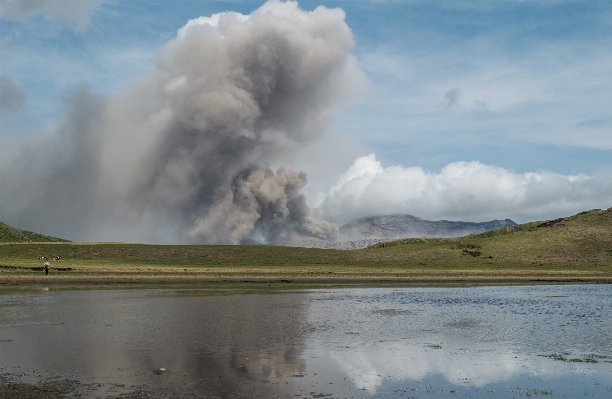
(572, 248)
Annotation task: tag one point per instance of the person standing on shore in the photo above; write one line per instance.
(47, 266)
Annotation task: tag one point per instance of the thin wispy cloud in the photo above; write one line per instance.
(74, 14)
(538, 97)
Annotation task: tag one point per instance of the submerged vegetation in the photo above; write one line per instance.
(571, 248)
(589, 358)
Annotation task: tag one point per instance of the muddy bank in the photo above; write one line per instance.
(14, 386)
(177, 278)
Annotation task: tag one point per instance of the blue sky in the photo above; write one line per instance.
(524, 86)
(545, 68)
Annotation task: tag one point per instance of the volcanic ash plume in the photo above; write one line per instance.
(186, 151)
(265, 202)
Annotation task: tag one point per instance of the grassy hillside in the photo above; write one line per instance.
(13, 234)
(582, 240)
(575, 247)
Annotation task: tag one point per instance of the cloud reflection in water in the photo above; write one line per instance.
(342, 342)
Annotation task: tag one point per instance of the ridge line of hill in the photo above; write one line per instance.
(12, 234)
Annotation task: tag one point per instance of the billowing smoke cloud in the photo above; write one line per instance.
(12, 94)
(461, 191)
(76, 12)
(184, 154)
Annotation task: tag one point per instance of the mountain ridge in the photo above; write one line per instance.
(368, 231)
(396, 226)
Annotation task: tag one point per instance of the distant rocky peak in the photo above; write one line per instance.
(395, 226)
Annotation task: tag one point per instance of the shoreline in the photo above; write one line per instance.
(311, 280)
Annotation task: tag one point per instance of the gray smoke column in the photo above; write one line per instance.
(184, 153)
(12, 94)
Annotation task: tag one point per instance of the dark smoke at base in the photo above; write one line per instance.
(184, 154)
(260, 203)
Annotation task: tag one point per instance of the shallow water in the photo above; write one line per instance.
(485, 342)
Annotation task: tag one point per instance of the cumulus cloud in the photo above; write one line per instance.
(461, 191)
(12, 93)
(184, 154)
(75, 12)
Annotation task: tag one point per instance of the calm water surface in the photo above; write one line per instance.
(478, 342)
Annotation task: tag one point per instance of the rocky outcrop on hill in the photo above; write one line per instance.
(316, 243)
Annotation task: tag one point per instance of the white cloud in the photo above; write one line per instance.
(461, 191)
(212, 21)
(76, 12)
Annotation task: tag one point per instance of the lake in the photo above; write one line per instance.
(379, 342)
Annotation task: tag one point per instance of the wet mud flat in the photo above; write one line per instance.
(359, 342)
(12, 385)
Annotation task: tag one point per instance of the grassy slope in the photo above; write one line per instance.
(10, 234)
(577, 244)
(572, 247)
